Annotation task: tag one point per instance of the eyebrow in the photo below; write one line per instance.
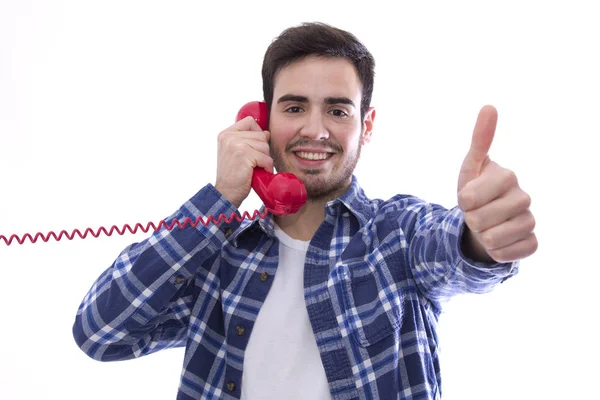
(304, 99)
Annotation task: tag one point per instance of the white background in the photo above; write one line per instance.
(109, 113)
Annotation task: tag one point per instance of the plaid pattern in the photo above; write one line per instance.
(376, 274)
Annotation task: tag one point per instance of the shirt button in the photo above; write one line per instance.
(264, 276)
(231, 386)
(179, 279)
(240, 330)
(228, 232)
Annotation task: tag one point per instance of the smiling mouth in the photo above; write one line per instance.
(313, 156)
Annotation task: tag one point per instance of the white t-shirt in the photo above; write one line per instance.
(282, 359)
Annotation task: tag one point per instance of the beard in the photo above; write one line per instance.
(318, 186)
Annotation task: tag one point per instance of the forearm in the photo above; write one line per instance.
(129, 307)
(442, 268)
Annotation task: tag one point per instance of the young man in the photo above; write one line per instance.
(337, 301)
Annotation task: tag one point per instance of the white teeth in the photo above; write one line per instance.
(313, 156)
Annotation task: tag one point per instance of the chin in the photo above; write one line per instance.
(321, 186)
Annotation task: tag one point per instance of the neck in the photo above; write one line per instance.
(303, 224)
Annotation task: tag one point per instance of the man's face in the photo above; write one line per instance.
(315, 124)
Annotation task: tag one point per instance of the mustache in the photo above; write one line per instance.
(323, 144)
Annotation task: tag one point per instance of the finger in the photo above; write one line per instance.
(245, 148)
(502, 209)
(245, 124)
(259, 145)
(483, 134)
(509, 232)
(232, 137)
(481, 141)
(516, 251)
(259, 159)
(247, 152)
(493, 183)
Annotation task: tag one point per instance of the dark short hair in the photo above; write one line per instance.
(322, 40)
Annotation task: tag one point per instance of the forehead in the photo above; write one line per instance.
(318, 77)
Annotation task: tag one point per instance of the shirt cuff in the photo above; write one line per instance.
(495, 272)
(217, 213)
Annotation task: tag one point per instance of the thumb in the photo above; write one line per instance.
(483, 136)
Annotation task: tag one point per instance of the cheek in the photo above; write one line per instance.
(281, 136)
(349, 141)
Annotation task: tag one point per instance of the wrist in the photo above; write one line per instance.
(230, 197)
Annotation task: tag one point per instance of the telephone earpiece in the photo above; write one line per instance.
(257, 110)
(282, 192)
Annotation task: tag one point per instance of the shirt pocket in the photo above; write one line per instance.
(371, 300)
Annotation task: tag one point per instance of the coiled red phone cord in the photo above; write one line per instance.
(162, 224)
(284, 192)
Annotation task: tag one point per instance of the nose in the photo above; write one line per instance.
(314, 127)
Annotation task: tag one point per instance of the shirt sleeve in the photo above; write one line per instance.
(437, 263)
(142, 303)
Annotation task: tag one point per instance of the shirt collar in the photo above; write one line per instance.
(354, 200)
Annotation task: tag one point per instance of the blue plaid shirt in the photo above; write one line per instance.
(376, 274)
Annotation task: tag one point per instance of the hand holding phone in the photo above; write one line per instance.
(241, 148)
(282, 192)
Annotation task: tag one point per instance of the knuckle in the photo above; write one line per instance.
(466, 199)
(238, 151)
(510, 177)
(225, 139)
(473, 221)
(525, 200)
(489, 240)
(534, 244)
(225, 133)
(530, 222)
(497, 255)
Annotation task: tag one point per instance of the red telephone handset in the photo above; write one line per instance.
(283, 192)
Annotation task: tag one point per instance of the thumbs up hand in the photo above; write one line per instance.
(499, 225)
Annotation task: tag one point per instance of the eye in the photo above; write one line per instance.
(293, 109)
(338, 113)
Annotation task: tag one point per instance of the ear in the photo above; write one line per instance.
(368, 123)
